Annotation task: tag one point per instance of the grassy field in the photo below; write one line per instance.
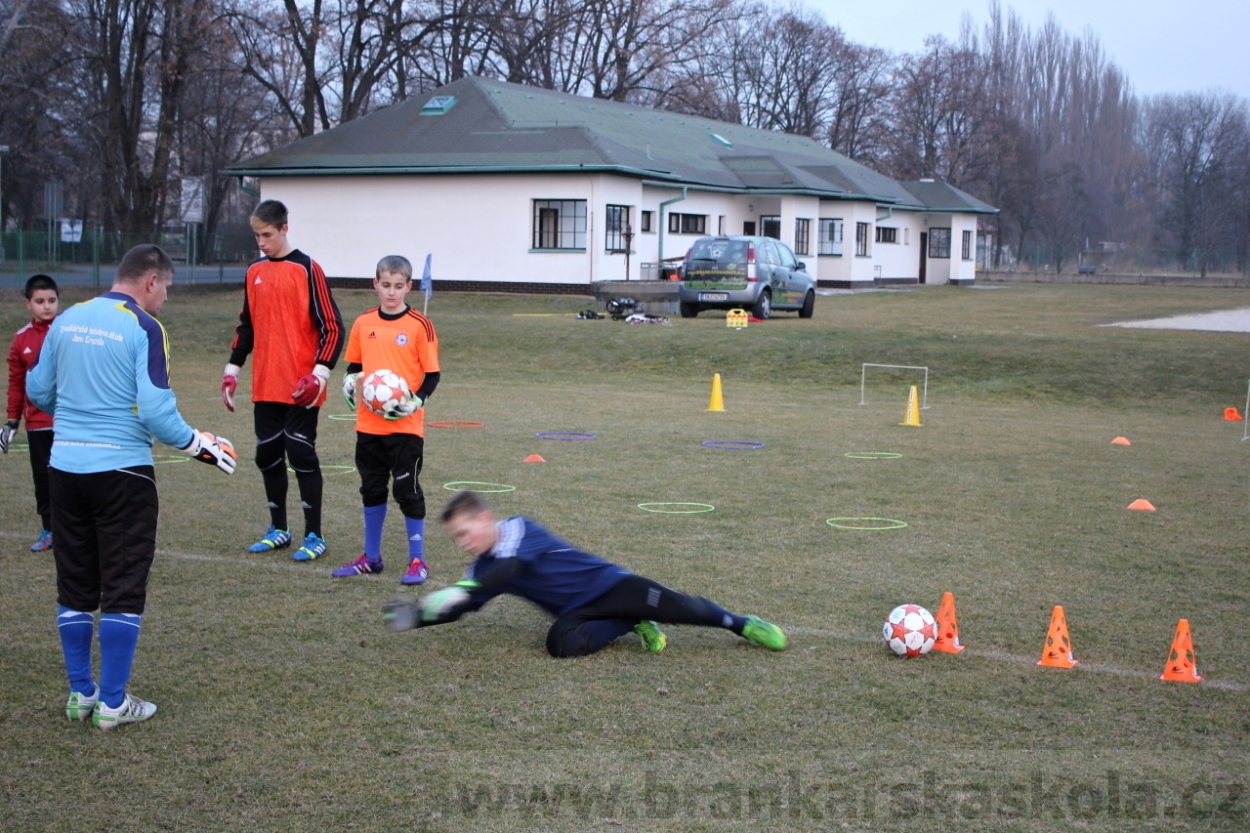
(284, 705)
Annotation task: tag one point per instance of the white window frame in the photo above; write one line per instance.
(569, 234)
(830, 241)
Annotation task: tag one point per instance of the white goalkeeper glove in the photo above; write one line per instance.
(229, 384)
(6, 435)
(211, 449)
(407, 406)
(349, 389)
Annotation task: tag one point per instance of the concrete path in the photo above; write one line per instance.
(1223, 321)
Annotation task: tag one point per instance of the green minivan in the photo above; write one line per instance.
(757, 274)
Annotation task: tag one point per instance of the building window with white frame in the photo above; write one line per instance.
(886, 234)
(770, 226)
(560, 225)
(861, 239)
(966, 251)
(617, 232)
(940, 242)
(687, 223)
(646, 221)
(802, 236)
(830, 241)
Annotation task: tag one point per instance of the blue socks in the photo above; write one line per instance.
(76, 629)
(415, 528)
(119, 634)
(604, 631)
(375, 518)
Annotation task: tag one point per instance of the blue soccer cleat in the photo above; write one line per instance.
(362, 566)
(417, 571)
(44, 542)
(313, 548)
(274, 539)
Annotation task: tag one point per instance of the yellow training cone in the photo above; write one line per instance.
(912, 417)
(717, 402)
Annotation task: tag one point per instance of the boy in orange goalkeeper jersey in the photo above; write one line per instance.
(389, 448)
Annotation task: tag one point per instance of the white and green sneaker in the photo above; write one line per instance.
(132, 710)
(79, 706)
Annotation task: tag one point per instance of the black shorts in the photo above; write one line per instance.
(104, 525)
(381, 457)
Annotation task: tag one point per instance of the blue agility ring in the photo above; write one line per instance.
(733, 445)
(565, 436)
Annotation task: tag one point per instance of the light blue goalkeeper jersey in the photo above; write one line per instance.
(103, 374)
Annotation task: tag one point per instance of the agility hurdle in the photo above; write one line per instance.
(924, 400)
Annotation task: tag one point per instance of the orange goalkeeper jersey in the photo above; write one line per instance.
(291, 322)
(405, 343)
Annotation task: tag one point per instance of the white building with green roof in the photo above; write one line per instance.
(517, 188)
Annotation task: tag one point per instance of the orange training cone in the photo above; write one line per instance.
(1142, 504)
(1231, 415)
(1121, 441)
(1180, 666)
(533, 458)
(717, 401)
(948, 629)
(1057, 652)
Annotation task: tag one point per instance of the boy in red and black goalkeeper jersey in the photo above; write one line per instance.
(390, 446)
(292, 325)
(42, 300)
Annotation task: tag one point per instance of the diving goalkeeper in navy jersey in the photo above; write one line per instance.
(594, 601)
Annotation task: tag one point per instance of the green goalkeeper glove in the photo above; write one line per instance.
(349, 389)
(440, 605)
(406, 407)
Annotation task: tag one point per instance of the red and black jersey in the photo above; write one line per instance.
(290, 321)
(23, 355)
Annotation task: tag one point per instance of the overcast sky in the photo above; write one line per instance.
(1162, 45)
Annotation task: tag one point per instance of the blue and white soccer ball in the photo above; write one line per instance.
(383, 391)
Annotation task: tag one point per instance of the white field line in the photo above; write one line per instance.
(1001, 656)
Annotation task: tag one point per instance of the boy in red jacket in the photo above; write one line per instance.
(41, 300)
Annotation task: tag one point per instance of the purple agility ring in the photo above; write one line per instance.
(733, 445)
(565, 436)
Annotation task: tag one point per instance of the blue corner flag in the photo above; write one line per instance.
(427, 285)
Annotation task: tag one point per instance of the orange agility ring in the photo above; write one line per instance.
(455, 423)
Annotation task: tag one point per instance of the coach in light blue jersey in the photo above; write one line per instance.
(103, 374)
(594, 601)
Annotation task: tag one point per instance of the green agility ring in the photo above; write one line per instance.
(882, 524)
(467, 486)
(659, 508)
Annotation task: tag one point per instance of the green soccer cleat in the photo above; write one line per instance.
(758, 632)
(653, 639)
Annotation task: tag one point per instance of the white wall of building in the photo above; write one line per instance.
(481, 227)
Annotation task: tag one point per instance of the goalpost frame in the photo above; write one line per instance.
(1245, 418)
(924, 401)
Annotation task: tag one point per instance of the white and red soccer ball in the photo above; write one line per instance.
(383, 391)
(910, 631)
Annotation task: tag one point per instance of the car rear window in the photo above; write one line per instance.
(722, 252)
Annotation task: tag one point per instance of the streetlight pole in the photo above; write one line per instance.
(3, 150)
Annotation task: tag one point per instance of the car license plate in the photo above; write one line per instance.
(713, 296)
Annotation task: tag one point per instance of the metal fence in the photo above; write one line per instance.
(1114, 259)
(199, 258)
